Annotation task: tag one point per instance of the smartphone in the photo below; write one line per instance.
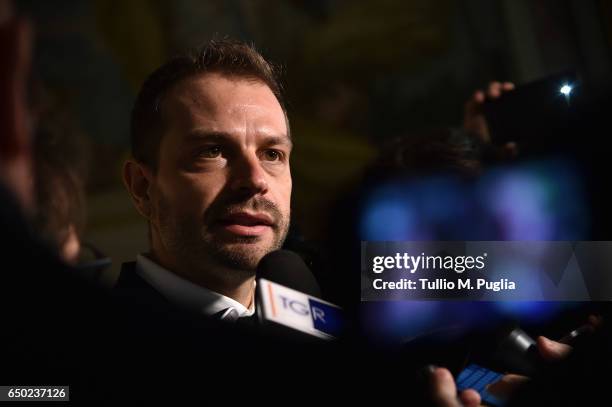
(477, 377)
(534, 113)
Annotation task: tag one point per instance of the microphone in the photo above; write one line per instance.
(289, 299)
(517, 352)
(287, 268)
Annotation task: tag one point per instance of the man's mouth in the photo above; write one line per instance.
(246, 224)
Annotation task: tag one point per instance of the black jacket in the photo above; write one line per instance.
(59, 328)
(134, 288)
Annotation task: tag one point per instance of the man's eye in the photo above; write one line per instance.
(210, 152)
(272, 155)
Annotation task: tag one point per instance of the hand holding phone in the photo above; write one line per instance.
(536, 115)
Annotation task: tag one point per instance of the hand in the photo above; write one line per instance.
(549, 350)
(474, 120)
(444, 391)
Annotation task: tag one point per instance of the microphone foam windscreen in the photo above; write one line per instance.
(286, 268)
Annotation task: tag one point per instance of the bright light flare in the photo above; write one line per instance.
(565, 90)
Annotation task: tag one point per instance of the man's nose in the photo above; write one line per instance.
(248, 176)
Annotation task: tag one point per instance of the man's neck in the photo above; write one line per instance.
(242, 290)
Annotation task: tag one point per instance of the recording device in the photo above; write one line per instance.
(516, 353)
(577, 335)
(288, 300)
(537, 113)
(287, 268)
(513, 351)
(478, 378)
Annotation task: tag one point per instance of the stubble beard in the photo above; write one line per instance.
(196, 244)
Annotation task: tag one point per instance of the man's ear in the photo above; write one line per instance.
(138, 179)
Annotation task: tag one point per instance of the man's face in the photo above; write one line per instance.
(221, 194)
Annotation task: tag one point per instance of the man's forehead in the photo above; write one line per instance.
(211, 91)
(209, 96)
(219, 104)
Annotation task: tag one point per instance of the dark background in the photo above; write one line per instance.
(355, 73)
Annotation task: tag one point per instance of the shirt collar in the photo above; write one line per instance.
(185, 293)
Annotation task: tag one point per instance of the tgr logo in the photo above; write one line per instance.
(300, 308)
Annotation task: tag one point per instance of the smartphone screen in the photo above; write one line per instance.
(477, 377)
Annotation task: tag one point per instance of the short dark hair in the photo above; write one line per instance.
(226, 57)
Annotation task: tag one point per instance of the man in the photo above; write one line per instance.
(61, 330)
(210, 173)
